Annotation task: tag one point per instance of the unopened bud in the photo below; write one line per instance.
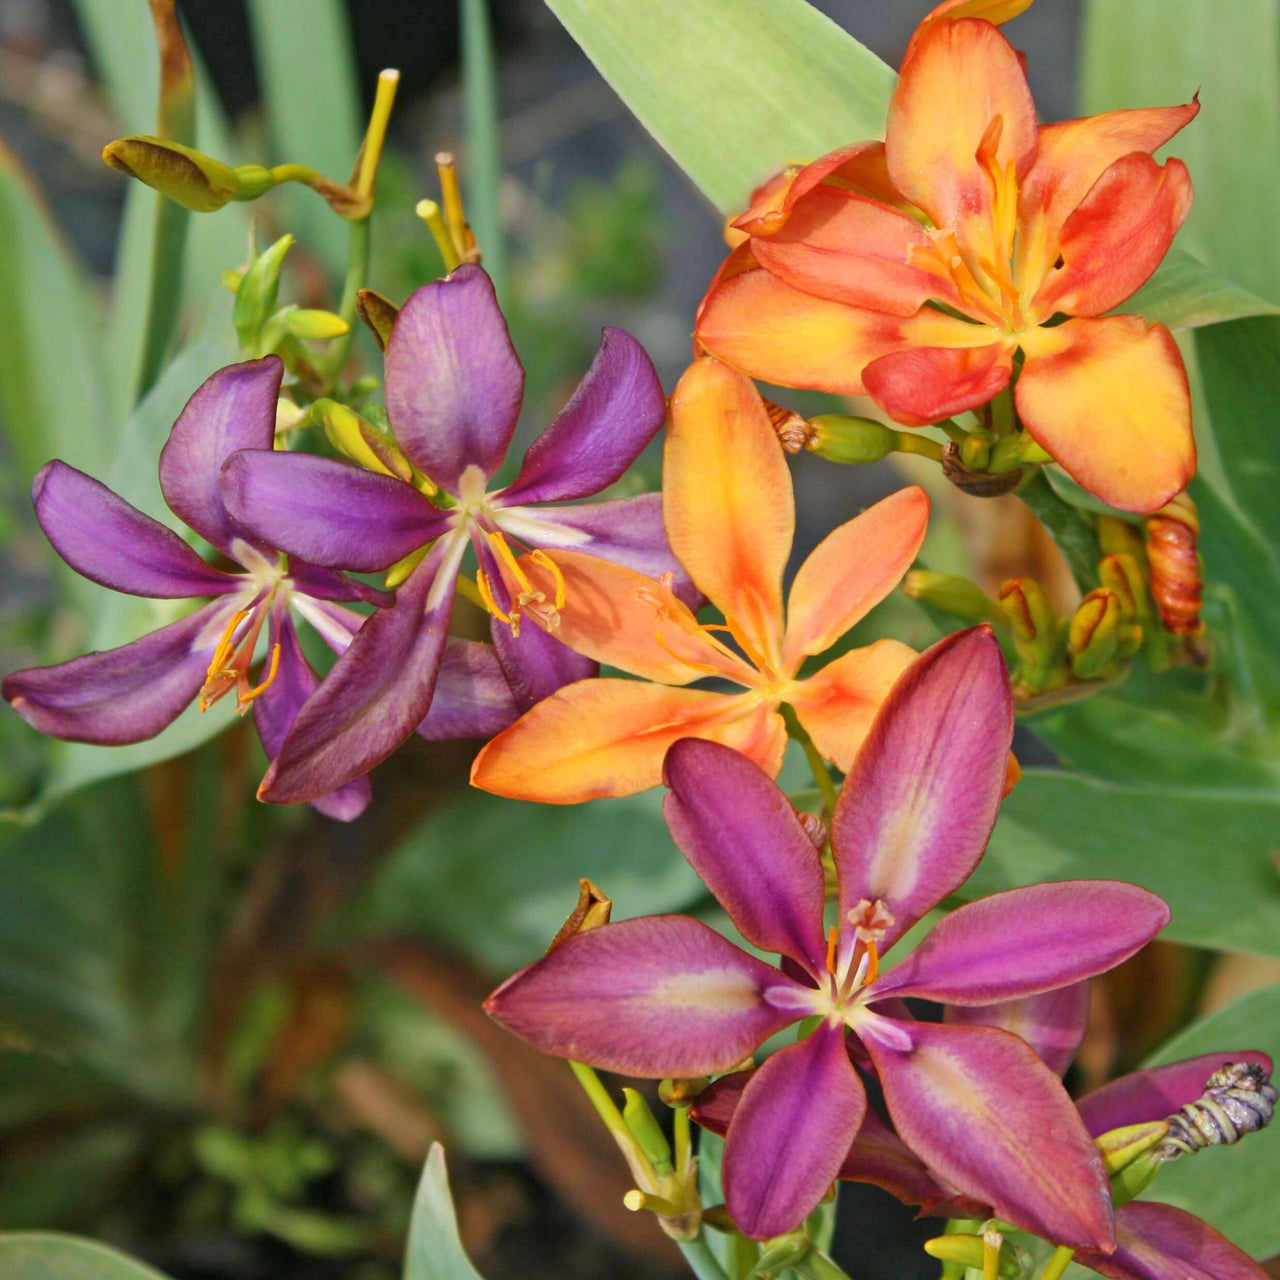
(814, 828)
(1176, 579)
(682, 1092)
(360, 441)
(968, 1250)
(193, 180)
(647, 1132)
(1121, 1147)
(304, 322)
(975, 450)
(1120, 574)
(1134, 1178)
(1093, 635)
(1012, 452)
(1116, 536)
(1025, 604)
(256, 296)
(839, 437)
(378, 313)
(782, 1252)
(255, 180)
(592, 911)
(953, 595)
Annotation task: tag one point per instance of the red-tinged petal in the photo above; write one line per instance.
(852, 570)
(840, 245)
(984, 1113)
(1159, 1242)
(880, 1157)
(1052, 1023)
(837, 705)
(472, 698)
(608, 738)
(1117, 236)
(234, 409)
(743, 838)
(727, 500)
(959, 75)
(1025, 941)
(1109, 399)
(1156, 1092)
(616, 410)
(919, 803)
(658, 996)
(454, 383)
(106, 540)
(790, 1133)
(927, 384)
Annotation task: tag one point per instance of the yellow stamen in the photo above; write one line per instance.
(833, 935)
(244, 699)
(541, 557)
(873, 964)
(488, 599)
(225, 646)
(680, 657)
(509, 561)
(429, 212)
(451, 195)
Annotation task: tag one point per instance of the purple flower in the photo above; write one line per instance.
(454, 386)
(132, 693)
(668, 996)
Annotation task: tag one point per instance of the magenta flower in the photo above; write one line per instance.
(668, 996)
(132, 693)
(454, 387)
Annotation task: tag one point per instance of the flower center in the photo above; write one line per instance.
(524, 596)
(229, 666)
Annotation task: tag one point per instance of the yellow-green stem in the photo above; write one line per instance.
(1054, 1268)
(817, 765)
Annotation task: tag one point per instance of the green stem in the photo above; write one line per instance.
(908, 442)
(817, 765)
(1054, 1268)
(1071, 528)
(357, 273)
(484, 160)
(702, 1262)
(817, 1266)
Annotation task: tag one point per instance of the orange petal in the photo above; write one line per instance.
(840, 245)
(1117, 236)
(727, 501)
(1108, 398)
(956, 78)
(838, 704)
(608, 738)
(996, 11)
(851, 570)
(927, 384)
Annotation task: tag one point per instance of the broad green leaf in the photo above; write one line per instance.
(1185, 294)
(1207, 852)
(435, 1249)
(46, 1255)
(734, 89)
(1222, 1185)
(1142, 53)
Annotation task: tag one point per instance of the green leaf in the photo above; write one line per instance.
(1185, 294)
(484, 156)
(435, 1249)
(1221, 1185)
(45, 1255)
(734, 89)
(1207, 852)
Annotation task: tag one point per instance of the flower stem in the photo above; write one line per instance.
(1056, 1265)
(1071, 528)
(357, 272)
(817, 1266)
(817, 765)
(702, 1262)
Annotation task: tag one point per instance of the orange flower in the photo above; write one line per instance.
(915, 269)
(730, 517)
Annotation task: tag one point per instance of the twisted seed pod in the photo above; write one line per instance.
(1238, 1099)
(791, 428)
(1176, 582)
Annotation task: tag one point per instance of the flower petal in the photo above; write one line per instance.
(377, 692)
(327, 512)
(851, 570)
(920, 801)
(325, 584)
(927, 384)
(616, 410)
(987, 1115)
(1109, 399)
(472, 698)
(234, 409)
(1025, 941)
(1156, 1092)
(1159, 1242)
(106, 540)
(608, 738)
(535, 665)
(454, 383)
(743, 838)
(121, 695)
(658, 996)
(837, 705)
(1052, 1023)
(1117, 236)
(793, 1127)
(727, 500)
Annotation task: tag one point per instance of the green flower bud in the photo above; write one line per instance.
(647, 1132)
(1121, 1147)
(956, 596)
(1013, 451)
(256, 296)
(195, 181)
(975, 451)
(320, 325)
(378, 313)
(1119, 573)
(1093, 635)
(839, 437)
(360, 441)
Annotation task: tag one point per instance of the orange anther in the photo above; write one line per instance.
(833, 935)
(244, 699)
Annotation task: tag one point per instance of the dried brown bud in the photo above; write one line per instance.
(592, 911)
(793, 431)
(978, 484)
(814, 828)
(1176, 580)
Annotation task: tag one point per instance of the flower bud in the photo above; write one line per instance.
(1118, 536)
(647, 1132)
(968, 1251)
(592, 911)
(1131, 1181)
(1120, 574)
(950, 594)
(195, 181)
(1176, 579)
(683, 1092)
(1011, 452)
(1025, 605)
(256, 295)
(1093, 635)
(1121, 1147)
(378, 313)
(361, 441)
(780, 1253)
(975, 451)
(839, 437)
(303, 322)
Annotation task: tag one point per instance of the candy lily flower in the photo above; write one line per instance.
(454, 387)
(914, 271)
(668, 996)
(730, 516)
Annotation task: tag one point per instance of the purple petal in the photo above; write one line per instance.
(106, 540)
(790, 1133)
(453, 380)
(1029, 940)
(743, 838)
(628, 531)
(535, 664)
(234, 409)
(1156, 1092)
(658, 996)
(1158, 1242)
(326, 584)
(616, 410)
(880, 1157)
(472, 697)
(984, 1113)
(378, 691)
(275, 710)
(1052, 1023)
(328, 512)
(918, 806)
(121, 695)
